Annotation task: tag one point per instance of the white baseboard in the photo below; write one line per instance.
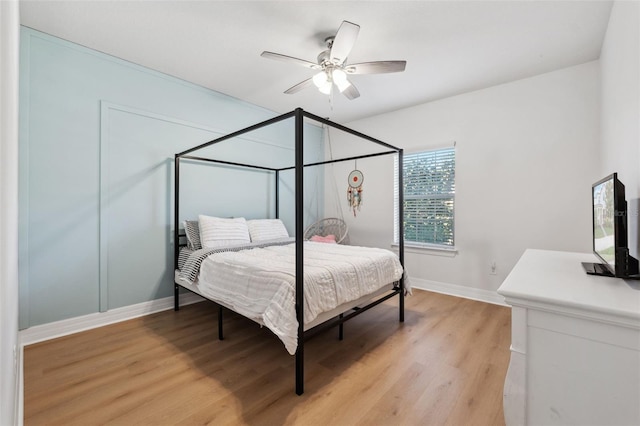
(472, 293)
(40, 333)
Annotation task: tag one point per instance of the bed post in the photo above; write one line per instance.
(277, 194)
(401, 229)
(299, 249)
(176, 234)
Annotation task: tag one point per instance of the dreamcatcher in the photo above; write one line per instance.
(354, 191)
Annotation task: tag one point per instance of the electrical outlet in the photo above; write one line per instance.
(492, 271)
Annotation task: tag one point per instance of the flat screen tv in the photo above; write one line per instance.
(610, 230)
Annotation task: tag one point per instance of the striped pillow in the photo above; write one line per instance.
(221, 232)
(192, 231)
(266, 229)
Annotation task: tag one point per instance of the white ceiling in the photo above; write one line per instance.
(451, 47)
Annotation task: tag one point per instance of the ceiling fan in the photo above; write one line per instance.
(332, 66)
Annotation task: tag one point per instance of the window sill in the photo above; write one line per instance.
(427, 249)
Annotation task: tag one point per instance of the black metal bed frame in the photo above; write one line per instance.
(298, 114)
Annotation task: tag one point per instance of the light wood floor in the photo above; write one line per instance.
(445, 365)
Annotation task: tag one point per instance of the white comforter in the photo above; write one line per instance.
(260, 283)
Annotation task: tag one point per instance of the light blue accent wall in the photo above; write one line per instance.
(97, 141)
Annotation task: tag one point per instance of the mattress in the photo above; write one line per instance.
(259, 282)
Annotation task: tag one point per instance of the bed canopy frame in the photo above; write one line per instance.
(299, 116)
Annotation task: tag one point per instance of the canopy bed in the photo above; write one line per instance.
(293, 286)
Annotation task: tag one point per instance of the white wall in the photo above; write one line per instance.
(620, 118)
(527, 153)
(9, 46)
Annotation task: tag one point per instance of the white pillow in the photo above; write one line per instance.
(221, 232)
(267, 229)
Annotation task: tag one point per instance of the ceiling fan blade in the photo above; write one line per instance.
(343, 42)
(298, 87)
(290, 59)
(378, 67)
(351, 92)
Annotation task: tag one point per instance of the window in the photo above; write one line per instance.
(429, 193)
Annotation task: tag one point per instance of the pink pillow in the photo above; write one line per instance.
(327, 239)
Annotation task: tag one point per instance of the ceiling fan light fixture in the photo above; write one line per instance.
(340, 79)
(321, 79)
(323, 82)
(326, 89)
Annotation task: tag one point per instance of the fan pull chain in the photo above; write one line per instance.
(336, 192)
(331, 101)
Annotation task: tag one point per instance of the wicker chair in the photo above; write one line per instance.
(329, 226)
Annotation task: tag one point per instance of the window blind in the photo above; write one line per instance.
(429, 195)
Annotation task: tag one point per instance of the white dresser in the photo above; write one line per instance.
(575, 344)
